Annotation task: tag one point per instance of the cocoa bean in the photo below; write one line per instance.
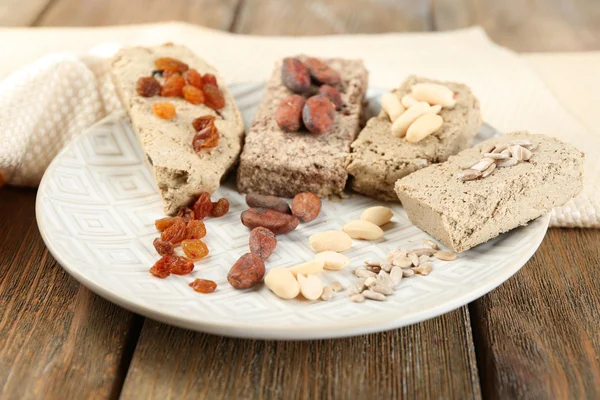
(318, 114)
(306, 206)
(322, 72)
(246, 272)
(262, 242)
(289, 113)
(332, 94)
(271, 202)
(274, 221)
(294, 75)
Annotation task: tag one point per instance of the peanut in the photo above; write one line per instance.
(294, 75)
(424, 126)
(400, 126)
(321, 72)
(310, 267)
(274, 221)
(318, 114)
(333, 261)
(271, 202)
(363, 230)
(306, 206)
(246, 272)
(434, 93)
(330, 240)
(392, 106)
(332, 94)
(289, 113)
(281, 282)
(378, 215)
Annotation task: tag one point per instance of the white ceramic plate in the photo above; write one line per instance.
(96, 208)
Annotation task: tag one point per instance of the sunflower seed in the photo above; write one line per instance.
(361, 284)
(488, 171)
(352, 290)
(445, 255)
(414, 259)
(385, 290)
(357, 298)
(401, 262)
(424, 269)
(370, 281)
(423, 258)
(429, 244)
(496, 156)
(520, 153)
(507, 163)
(469, 175)
(524, 143)
(369, 294)
(507, 153)
(482, 164)
(386, 266)
(373, 268)
(327, 293)
(500, 148)
(373, 263)
(336, 286)
(424, 251)
(396, 275)
(407, 273)
(384, 279)
(363, 273)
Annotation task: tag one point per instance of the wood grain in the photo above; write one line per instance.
(20, 12)
(526, 25)
(429, 360)
(58, 340)
(216, 14)
(538, 334)
(315, 17)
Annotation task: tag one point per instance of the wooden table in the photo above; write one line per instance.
(536, 336)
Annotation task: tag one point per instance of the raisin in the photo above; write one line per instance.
(194, 249)
(203, 206)
(167, 74)
(214, 97)
(186, 213)
(173, 86)
(164, 223)
(193, 95)
(210, 78)
(163, 247)
(195, 230)
(220, 208)
(147, 86)
(207, 137)
(180, 265)
(202, 122)
(164, 110)
(170, 64)
(175, 233)
(203, 285)
(161, 269)
(194, 78)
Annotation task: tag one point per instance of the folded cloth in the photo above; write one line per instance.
(43, 105)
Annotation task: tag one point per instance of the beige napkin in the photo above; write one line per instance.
(41, 109)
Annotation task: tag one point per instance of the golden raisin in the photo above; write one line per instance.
(210, 78)
(147, 86)
(163, 247)
(194, 78)
(194, 249)
(203, 206)
(164, 110)
(214, 97)
(203, 285)
(180, 265)
(202, 122)
(220, 208)
(175, 233)
(161, 269)
(167, 74)
(193, 95)
(207, 137)
(164, 223)
(170, 64)
(195, 230)
(186, 213)
(173, 86)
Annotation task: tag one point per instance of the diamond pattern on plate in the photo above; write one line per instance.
(96, 209)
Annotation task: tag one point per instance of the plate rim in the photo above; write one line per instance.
(357, 327)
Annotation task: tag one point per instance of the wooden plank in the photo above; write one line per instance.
(314, 17)
(541, 25)
(58, 339)
(428, 360)
(216, 14)
(538, 334)
(21, 12)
